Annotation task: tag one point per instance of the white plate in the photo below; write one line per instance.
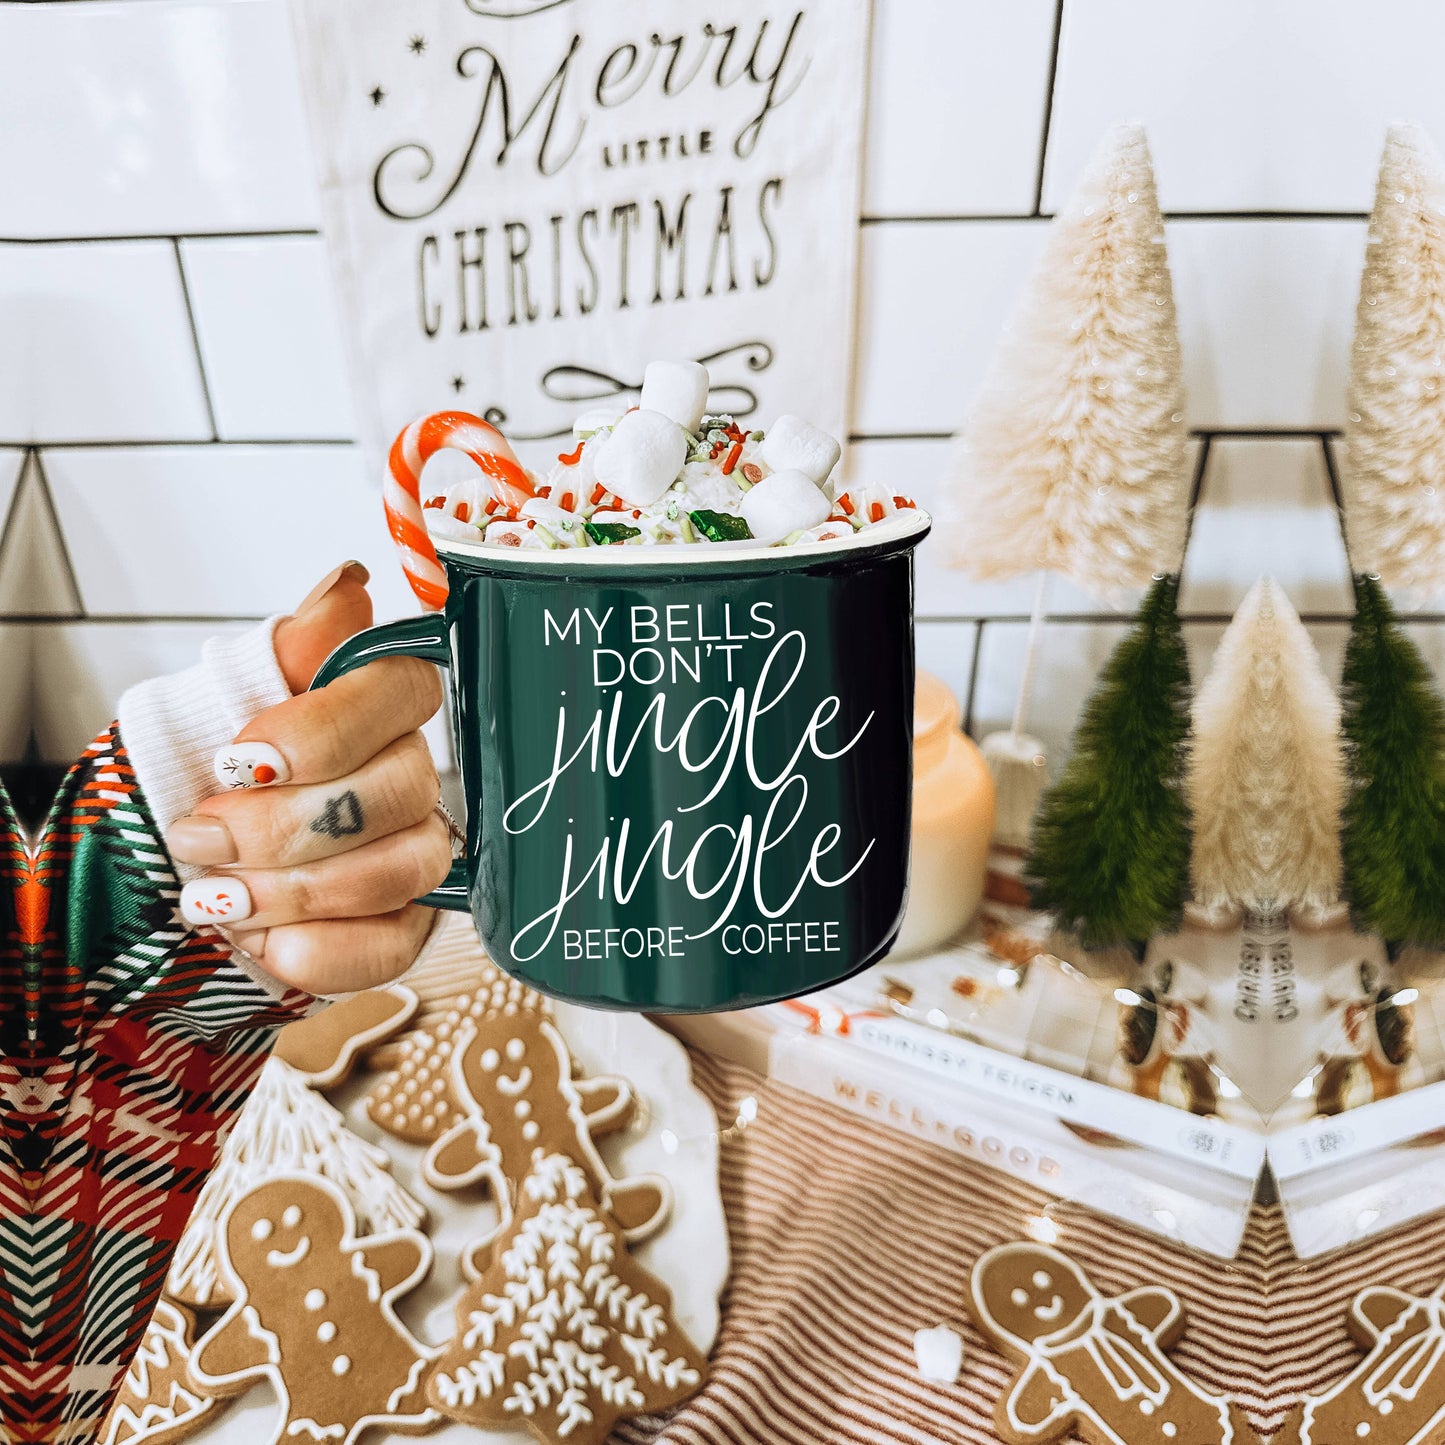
(675, 1135)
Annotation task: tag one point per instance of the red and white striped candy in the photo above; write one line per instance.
(410, 452)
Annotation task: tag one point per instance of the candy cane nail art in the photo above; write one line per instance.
(216, 900)
(250, 765)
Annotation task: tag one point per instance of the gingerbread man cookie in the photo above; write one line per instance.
(157, 1402)
(518, 1102)
(324, 1048)
(1091, 1364)
(416, 1102)
(564, 1332)
(314, 1315)
(1396, 1394)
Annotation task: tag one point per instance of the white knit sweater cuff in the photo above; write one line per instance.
(172, 726)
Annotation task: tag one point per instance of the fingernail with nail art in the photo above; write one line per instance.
(250, 765)
(218, 900)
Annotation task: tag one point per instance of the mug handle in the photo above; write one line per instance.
(424, 637)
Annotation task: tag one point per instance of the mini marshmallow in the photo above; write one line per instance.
(939, 1353)
(677, 389)
(784, 502)
(441, 525)
(792, 444)
(598, 419)
(565, 526)
(641, 458)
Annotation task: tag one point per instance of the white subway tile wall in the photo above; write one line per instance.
(174, 408)
(246, 294)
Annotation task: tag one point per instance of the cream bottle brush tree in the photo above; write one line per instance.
(1265, 781)
(1394, 474)
(1073, 460)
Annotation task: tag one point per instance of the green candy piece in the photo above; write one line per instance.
(720, 527)
(605, 534)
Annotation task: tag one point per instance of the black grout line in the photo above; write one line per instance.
(134, 619)
(196, 340)
(1196, 485)
(1048, 120)
(157, 236)
(1104, 619)
(47, 500)
(900, 436)
(1196, 490)
(1267, 433)
(201, 443)
(1262, 433)
(972, 218)
(973, 676)
(1333, 473)
(978, 621)
(14, 509)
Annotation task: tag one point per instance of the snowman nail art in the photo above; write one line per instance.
(250, 765)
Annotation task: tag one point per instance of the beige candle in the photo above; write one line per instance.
(953, 805)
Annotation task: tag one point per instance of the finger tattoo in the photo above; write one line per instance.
(341, 817)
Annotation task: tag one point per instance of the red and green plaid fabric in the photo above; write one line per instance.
(128, 1044)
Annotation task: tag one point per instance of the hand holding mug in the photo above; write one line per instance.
(327, 826)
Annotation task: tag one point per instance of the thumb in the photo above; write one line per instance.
(336, 608)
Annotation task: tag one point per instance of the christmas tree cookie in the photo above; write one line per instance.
(563, 1333)
(285, 1127)
(158, 1402)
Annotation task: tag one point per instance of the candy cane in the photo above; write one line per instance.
(410, 452)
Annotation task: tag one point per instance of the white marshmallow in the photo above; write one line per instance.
(441, 525)
(792, 444)
(781, 503)
(939, 1353)
(597, 419)
(565, 526)
(677, 389)
(641, 457)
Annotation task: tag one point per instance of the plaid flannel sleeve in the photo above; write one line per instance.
(130, 1044)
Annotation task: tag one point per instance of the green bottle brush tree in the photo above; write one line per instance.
(1394, 817)
(1109, 854)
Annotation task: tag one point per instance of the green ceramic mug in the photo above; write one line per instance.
(688, 774)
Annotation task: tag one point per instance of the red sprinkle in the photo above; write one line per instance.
(732, 461)
(903, 502)
(434, 502)
(531, 522)
(875, 512)
(464, 512)
(570, 459)
(598, 492)
(567, 502)
(636, 513)
(846, 502)
(544, 492)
